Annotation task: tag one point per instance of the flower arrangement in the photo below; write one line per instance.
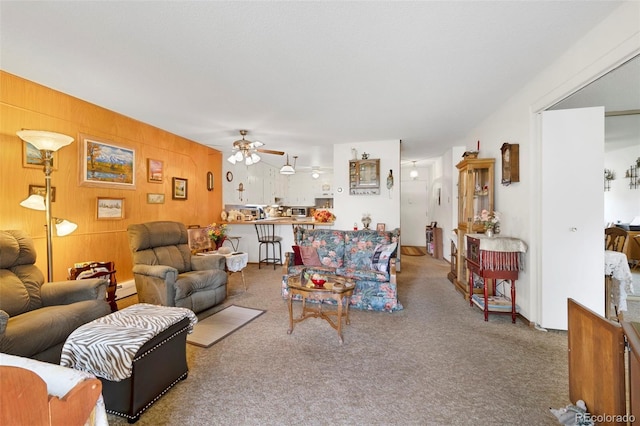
(490, 220)
(217, 232)
(323, 216)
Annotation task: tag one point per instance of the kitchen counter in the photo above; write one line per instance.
(248, 241)
(282, 221)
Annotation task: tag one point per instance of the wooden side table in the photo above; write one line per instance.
(98, 270)
(339, 289)
(493, 258)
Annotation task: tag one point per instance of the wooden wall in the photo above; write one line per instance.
(27, 105)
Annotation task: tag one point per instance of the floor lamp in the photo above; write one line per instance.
(47, 143)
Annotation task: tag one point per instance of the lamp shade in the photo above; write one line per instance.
(45, 141)
(232, 159)
(64, 227)
(34, 202)
(287, 170)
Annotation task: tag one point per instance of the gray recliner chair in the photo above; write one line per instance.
(167, 274)
(37, 317)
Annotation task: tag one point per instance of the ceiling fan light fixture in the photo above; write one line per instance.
(255, 158)
(287, 169)
(239, 156)
(232, 159)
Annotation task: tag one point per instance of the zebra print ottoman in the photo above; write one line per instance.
(157, 367)
(138, 354)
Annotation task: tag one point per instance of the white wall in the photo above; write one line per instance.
(415, 204)
(385, 207)
(621, 204)
(611, 43)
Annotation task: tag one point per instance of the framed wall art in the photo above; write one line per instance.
(105, 164)
(155, 198)
(42, 190)
(110, 208)
(155, 171)
(179, 191)
(32, 157)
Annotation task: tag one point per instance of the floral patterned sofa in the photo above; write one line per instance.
(367, 256)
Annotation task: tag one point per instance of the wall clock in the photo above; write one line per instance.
(510, 163)
(229, 176)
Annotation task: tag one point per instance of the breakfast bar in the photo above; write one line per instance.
(283, 228)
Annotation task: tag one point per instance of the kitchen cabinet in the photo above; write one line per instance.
(476, 189)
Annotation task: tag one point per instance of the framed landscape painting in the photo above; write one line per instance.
(179, 188)
(110, 208)
(155, 171)
(105, 164)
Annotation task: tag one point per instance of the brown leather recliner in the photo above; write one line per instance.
(167, 274)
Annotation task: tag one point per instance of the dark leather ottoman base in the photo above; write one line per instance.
(157, 367)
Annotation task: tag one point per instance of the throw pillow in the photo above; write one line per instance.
(382, 255)
(310, 256)
(297, 258)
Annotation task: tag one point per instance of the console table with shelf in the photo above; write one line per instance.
(494, 258)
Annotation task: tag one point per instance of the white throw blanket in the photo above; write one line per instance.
(106, 347)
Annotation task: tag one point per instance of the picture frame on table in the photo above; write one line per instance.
(108, 208)
(42, 191)
(32, 157)
(105, 164)
(155, 171)
(179, 188)
(380, 227)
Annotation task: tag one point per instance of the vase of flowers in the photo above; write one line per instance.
(217, 234)
(490, 221)
(323, 216)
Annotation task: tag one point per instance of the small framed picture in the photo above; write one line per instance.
(179, 188)
(32, 157)
(380, 227)
(155, 198)
(155, 171)
(110, 208)
(42, 190)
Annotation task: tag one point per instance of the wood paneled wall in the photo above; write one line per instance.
(27, 105)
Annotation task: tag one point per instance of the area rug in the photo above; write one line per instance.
(219, 325)
(413, 251)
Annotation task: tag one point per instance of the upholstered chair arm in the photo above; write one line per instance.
(203, 263)
(66, 292)
(156, 284)
(288, 261)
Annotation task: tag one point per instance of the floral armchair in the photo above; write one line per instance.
(366, 256)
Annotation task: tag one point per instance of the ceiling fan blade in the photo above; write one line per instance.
(270, 151)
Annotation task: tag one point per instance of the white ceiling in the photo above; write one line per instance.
(300, 76)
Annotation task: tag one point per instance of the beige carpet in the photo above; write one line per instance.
(434, 363)
(219, 325)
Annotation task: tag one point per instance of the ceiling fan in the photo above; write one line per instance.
(247, 151)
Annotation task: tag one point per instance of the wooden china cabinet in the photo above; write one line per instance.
(476, 191)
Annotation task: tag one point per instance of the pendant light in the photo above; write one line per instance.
(414, 172)
(287, 169)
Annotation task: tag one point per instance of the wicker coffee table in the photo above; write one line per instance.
(337, 288)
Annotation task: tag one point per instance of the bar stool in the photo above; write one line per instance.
(267, 238)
